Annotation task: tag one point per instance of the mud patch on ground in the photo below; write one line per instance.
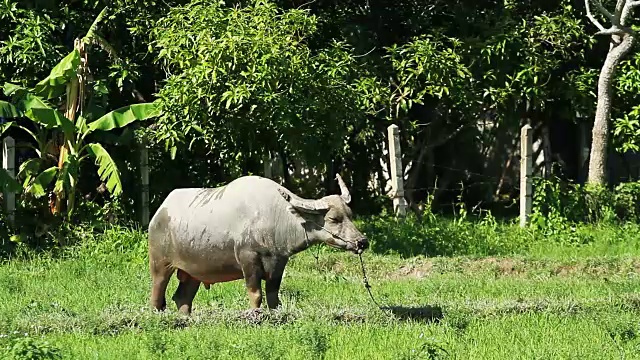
(499, 266)
(422, 268)
(416, 271)
(349, 317)
(598, 269)
(565, 270)
(260, 316)
(425, 314)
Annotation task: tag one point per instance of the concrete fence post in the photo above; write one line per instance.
(397, 173)
(9, 164)
(267, 162)
(526, 171)
(144, 176)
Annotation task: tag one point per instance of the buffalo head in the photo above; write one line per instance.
(330, 220)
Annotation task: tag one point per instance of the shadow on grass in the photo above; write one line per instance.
(426, 314)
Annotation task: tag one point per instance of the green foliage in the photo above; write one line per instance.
(33, 231)
(29, 348)
(8, 111)
(34, 104)
(626, 112)
(35, 36)
(314, 341)
(429, 66)
(107, 169)
(524, 64)
(132, 244)
(582, 90)
(27, 45)
(627, 131)
(55, 84)
(244, 81)
(316, 84)
(437, 236)
(124, 116)
(558, 206)
(74, 135)
(430, 349)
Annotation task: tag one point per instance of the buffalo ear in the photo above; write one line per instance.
(310, 206)
(305, 205)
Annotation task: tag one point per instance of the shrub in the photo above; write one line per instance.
(556, 201)
(439, 236)
(28, 348)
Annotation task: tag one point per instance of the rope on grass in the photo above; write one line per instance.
(366, 283)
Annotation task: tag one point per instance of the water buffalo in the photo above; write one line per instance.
(247, 229)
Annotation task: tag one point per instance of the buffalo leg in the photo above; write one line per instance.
(185, 293)
(273, 283)
(160, 276)
(272, 287)
(254, 291)
(252, 271)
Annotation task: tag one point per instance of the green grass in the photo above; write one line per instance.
(545, 300)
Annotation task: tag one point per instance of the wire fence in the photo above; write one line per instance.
(486, 180)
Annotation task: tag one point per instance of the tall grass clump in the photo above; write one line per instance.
(564, 214)
(557, 201)
(432, 235)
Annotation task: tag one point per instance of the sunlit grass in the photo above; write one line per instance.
(91, 302)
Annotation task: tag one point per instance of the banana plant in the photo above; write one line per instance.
(67, 77)
(49, 120)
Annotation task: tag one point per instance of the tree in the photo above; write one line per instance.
(316, 83)
(243, 82)
(622, 39)
(67, 79)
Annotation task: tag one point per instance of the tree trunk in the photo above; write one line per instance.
(505, 170)
(414, 173)
(443, 186)
(329, 186)
(286, 178)
(620, 46)
(546, 151)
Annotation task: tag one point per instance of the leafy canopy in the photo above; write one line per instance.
(244, 80)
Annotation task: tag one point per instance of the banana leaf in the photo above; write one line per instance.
(40, 183)
(52, 119)
(125, 116)
(8, 183)
(55, 84)
(9, 111)
(107, 168)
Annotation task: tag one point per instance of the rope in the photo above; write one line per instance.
(366, 283)
(317, 254)
(364, 272)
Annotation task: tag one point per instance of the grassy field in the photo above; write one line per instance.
(549, 301)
